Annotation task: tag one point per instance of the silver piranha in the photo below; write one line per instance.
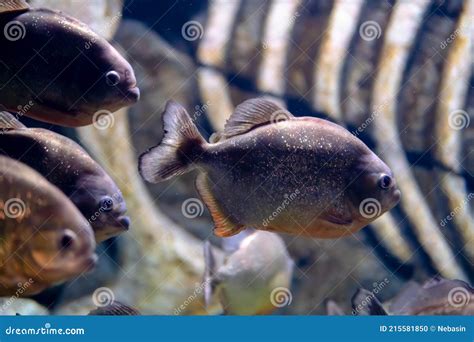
(44, 238)
(58, 69)
(66, 165)
(254, 279)
(275, 172)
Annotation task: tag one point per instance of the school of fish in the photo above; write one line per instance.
(267, 172)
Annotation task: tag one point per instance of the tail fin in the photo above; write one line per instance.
(180, 147)
(210, 265)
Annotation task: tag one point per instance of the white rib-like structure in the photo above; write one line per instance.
(213, 86)
(454, 89)
(218, 32)
(330, 62)
(399, 39)
(214, 91)
(280, 20)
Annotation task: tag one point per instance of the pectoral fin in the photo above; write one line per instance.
(335, 217)
(225, 225)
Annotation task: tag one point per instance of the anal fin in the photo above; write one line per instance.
(225, 225)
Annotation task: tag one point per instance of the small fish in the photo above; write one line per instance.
(115, 309)
(365, 303)
(44, 239)
(247, 280)
(275, 172)
(66, 165)
(56, 69)
(437, 296)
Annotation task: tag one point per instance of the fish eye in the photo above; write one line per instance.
(67, 240)
(112, 78)
(106, 203)
(385, 181)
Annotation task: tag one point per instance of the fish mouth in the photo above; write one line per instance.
(396, 196)
(114, 228)
(132, 95)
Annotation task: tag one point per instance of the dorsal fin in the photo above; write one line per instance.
(13, 6)
(253, 113)
(9, 121)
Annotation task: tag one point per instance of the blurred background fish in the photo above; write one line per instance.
(44, 238)
(253, 276)
(66, 165)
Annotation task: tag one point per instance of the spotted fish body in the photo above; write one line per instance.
(301, 176)
(44, 238)
(58, 68)
(408, 94)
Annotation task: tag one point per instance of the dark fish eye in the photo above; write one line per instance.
(385, 181)
(112, 78)
(67, 240)
(106, 203)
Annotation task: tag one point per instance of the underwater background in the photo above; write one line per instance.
(397, 74)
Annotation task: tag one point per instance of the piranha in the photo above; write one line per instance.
(66, 165)
(116, 308)
(254, 279)
(44, 238)
(54, 68)
(276, 172)
(437, 296)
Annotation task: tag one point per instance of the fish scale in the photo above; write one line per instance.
(312, 36)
